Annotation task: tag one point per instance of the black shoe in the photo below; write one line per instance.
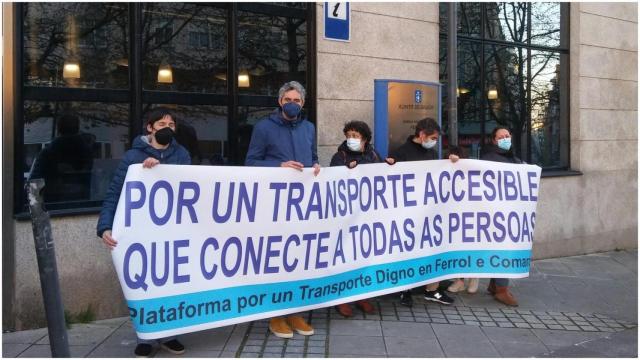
(143, 350)
(406, 299)
(173, 346)
(438, 296)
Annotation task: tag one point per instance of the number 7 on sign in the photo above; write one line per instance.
(337, 10)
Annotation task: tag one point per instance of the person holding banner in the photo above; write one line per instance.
(356, 149)
(285, 138)
(501, 150)
(422, 145)
(159, 147)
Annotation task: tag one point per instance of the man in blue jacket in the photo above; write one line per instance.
(286, 139)
(159, 147)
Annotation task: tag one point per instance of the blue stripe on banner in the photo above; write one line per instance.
(177, 311)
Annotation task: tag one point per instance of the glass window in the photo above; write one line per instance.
(202, 130)
(545, 24)
(248, 117)
(75, 147)
(271, 51)
(495, 86)
(546, 120)
(184, 66)
(185, 48)
(506, 21)
(470, 125)
(76, 45)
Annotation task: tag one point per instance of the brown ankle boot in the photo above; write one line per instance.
(504, 296)
(492, 287)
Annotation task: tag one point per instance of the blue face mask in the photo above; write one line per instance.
(504, 144)
(291, 109)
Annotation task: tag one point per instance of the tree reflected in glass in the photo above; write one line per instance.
(76, 45)
(271, 51)
(184, 48)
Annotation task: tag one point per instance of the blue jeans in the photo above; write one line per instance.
(502, 282)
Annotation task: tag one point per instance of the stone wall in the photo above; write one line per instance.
(388, 41)
(598, 210)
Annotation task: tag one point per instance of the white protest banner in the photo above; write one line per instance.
(204, 246)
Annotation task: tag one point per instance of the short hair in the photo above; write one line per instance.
(68, 124)
(158, 113)
(428, 125)
(495, 131)
(360, 127)
(292, 85)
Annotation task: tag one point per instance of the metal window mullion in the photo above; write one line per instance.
(312, 65)
(528, 104)
(135, 70)
(483, 74)
(232, 80)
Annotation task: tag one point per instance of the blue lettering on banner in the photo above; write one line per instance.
(179, 311)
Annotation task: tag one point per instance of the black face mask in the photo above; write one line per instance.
(164, 136)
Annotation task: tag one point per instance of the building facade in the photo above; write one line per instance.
(562, 76)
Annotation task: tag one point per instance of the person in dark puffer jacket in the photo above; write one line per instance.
(159, 147)
(355, 150)
(501, 150)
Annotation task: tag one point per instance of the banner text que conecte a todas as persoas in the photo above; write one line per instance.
(202, 247)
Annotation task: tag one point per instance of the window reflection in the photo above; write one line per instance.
(545, 108)
(248, 117)
(545, 24)
(76, 45)
(184, 48)
(506, 21)
(74, 146)
(202, 130)
(470, 126)
(504, 90)
(271, 51)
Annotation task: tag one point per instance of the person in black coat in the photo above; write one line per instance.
(501, 150)
(422, 145)
(356, 149)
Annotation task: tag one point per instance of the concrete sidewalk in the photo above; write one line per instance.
(582, 306)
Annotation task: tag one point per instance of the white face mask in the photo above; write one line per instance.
(354, 144)
(429, 144)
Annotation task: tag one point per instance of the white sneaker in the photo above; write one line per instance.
(458, 285)
(473, 286)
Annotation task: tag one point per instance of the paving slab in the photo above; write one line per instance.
(85, 334)
(555, 339)
(13, 350)
(356, 345)
(464, 341)
(355, 327)
(44, 351)
(620, 344)
(24, 337)
(407, 330)
(213, 339)
(511, 335)
(516, 349)
(410, 347)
